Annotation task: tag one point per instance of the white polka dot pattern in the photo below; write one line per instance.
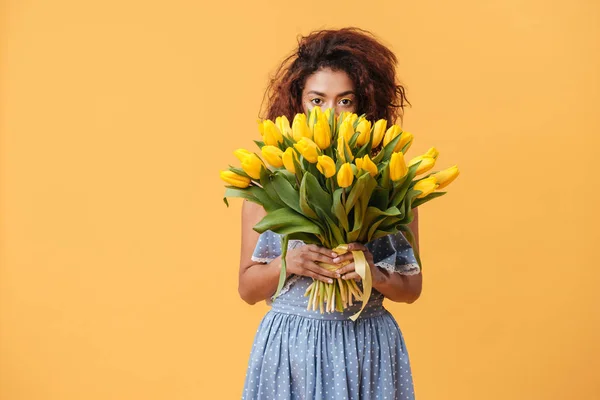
(300, 354)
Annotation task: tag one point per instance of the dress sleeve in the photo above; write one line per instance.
(394, 254)
(268, 247)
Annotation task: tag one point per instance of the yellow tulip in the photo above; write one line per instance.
(346, 130)
(271, 134)
(322, 133)
(300, 127)
(366, 164)
(364, 127)
(432, 152)
(252, 165)
(352, 117)
(345, 176)
(341, 145)
(405, 138)
(288, 159)
(426, 163)
(343, 116)
(378, 132)
(327, 113)
(273, 155)
(326, 165)
(283, 124)
(308, 149)
(234, 179)
(445, 177)
(398, 168)
(426, 186)
(391, 134)
(241, 154)
(315, 114)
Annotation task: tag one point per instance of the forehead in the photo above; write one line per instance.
(328, 82)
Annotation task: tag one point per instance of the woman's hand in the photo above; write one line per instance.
(303, 261)
(348, 271)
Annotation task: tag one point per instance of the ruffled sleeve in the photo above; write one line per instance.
(268, 247)
(394, 254)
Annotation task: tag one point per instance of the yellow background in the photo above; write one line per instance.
(119, 259)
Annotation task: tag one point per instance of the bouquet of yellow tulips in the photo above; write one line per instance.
(333, 180)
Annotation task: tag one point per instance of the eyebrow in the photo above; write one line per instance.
(347, 92)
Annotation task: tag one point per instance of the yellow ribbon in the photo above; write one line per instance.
(362, 269)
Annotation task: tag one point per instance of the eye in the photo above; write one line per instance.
(316, 101)
(346, 102)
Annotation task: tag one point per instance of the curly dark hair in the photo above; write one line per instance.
(370, 65)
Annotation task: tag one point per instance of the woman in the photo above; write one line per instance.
(301, 354)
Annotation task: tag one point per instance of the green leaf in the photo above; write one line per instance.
(239, 171)
(282, 271)
(347, 152)
(400, 191)
(353, 139)
(373, 229)
(308, 238)
(332, 121)
(389, 224)
(358, 190)
(430, 196)
(287, 142)
(232, 191)
(360, 209)
(263, 198)
(357, 121)
(336, 234)
(381, 233)
(329, 227)
(306, 210)
(408, 215)
(259, 143)
(318, 197)
(285, 221)
(365, 149)
(380, 198)
(286, 192)
(384, 180)
(297, 166)
(374, 213)
(386, 152)
(265, 182)
(289, 176)
(338, 209)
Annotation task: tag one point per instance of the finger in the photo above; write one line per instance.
(320, 257)
(346, 268)
(322, 250)
(314, 275)
(344, 257)
(327, 274)
(352, 275)
(357, 246)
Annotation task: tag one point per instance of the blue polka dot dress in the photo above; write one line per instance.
(301, 354)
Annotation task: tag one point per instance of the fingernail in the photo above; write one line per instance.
(337, 275)
(333, 254)
(330, 281)
(336, 259)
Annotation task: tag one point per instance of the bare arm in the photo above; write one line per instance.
(257, 281)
